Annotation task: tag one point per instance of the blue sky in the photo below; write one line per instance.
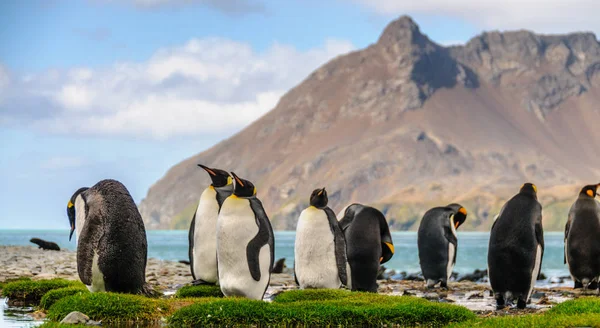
(95, 89)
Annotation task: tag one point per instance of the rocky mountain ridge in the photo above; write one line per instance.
(406, 124)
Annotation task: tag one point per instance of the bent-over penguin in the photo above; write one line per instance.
(203, 229)
(320, 248)
(516, 248)
(368, 244)
(438, 243)
(245, 243)
(582, 239)
(111, 238)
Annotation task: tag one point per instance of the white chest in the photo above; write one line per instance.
(205, 237)
(315, 262)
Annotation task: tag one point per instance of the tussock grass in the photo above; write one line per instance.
(199, 291)
(31, 292)
(321, 308)
(111, 307)
(54, 295)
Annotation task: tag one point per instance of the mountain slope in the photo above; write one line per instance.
(407, 124)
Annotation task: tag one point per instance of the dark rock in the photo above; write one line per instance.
(408, 293)
(542, 276)
(45, 244)
(476, 276)
(279, 266)
(431, 296)
(476, 295)
(184, 262)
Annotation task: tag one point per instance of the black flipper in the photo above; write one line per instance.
(191, 244)
(262, 238)
(348, 217)
(296, 277)
(567, 228)
(450, 236)
(340, 245)
(539, 236)
(387, 244)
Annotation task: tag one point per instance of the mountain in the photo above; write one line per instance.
(407, 124)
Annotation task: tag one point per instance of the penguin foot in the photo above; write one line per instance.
(200, 282)
(521, 303)
(500, 303)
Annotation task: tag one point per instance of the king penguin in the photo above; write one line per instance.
(203, 229)
(368, 244)
(516, 248)
(245, 243)
(320, 248)
(582, 239)
(438, 244)
(111, 238)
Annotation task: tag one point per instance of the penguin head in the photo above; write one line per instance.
(71, 209)
(318, 198)
(590, 190)
(219, 178)
(243, 188)
(529, 188)
(460, 214)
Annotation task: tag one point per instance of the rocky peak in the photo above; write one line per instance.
(404, 33)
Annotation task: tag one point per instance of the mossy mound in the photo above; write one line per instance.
(199, 291)
(31, 292)
(581, 305)
(54, 295)
(50, 324)
(581, 312)
(7, 281)
(111, 307)
(534, 321)
(321, 308)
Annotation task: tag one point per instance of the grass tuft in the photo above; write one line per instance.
(199, 291)
(110, 307)
(577, 306)
(31, 292)
(322, 308)
(53, 296)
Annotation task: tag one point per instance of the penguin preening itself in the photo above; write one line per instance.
(203, 229)
(438, 244)
(320, 248)
(516, 248)
(111, 238)
(582, 239)
(245, 243)
(368, 245)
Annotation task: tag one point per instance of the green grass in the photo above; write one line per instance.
(50, 324)
(323, 308)
(54, 295)
(581, 312)
(6, 282)
(199, 291)
(110, 307)
(31, 292)
(583, 305)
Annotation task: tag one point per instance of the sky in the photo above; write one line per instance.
(125, 89)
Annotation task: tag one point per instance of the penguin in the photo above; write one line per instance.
(516, 248)
(368, 245)
(438, 244)
(203, 229)
(111, 239)
(320, 248)
(582, 239)
(245, 243)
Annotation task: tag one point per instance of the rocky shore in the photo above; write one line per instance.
(168, 276)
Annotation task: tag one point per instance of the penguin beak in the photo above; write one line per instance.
(72, 230)
(207, 169)
(456, 224)
(321, 191)
(237, 179)
(71, 215)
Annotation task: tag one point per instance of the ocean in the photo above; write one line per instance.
(173, 245)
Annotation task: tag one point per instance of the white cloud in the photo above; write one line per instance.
(207, 86)
(232, 7)
(545, 16)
